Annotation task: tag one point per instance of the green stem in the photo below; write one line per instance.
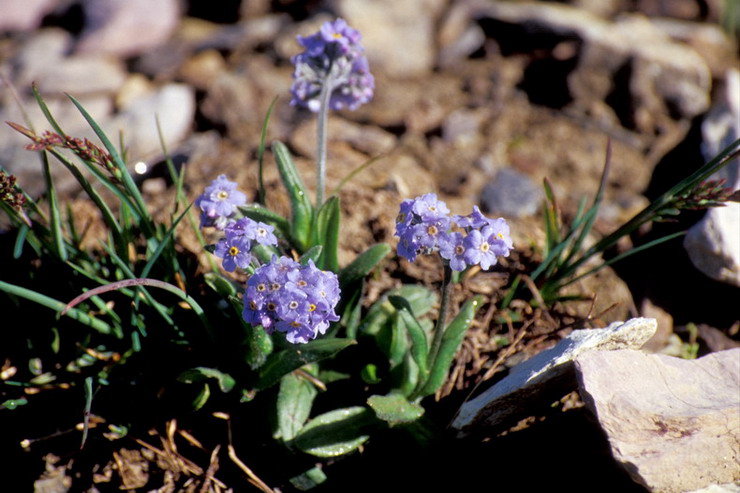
(444, 308)
(326, 90)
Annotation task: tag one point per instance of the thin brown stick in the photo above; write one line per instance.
(252, 477)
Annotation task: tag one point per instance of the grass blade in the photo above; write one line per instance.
(56, 305)
(261, 197)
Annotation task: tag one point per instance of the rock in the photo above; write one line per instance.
(626, 73)
(202, 69)
(24, 15)
(673, 424)
(547, 376)
(370, 140)
(713, 244)
(511, 194)
(127, 27)
(664, 322)
(710, 41)
(173, 105)
(398, 36)
(43, 60)
(715, 339)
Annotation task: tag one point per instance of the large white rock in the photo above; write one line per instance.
(548, 375)
(713, 244)
(673, 424)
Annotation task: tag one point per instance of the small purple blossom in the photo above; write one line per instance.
(429, 208)
(333, 56)
(254, 230)
(296, 299)
(453, 250)
(235, 251)
(219, 201)
(474, 220)
(423, 225)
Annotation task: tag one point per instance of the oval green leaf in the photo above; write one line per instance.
(335, 433)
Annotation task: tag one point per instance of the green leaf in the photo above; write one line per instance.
(395, 408)
(363, 264)
(13, 403)
(88, 406)
(419, 298)
(264, 253)
(202, 397)
(225, 381)
(335, 433)
(451, 340)
(312, 253)
(301, 209)
(222, 286)
(258, 342)
(352, 308)
(408, 379)
(369, 374)
(294, 402)
(392, 340)
(327, 234)
(419, 343)
(309, 479)
(287, 360)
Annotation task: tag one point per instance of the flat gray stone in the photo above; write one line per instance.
(673, 424)
(548, 375)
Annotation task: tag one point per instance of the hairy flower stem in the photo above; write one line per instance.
(444, 308)
(326, 90)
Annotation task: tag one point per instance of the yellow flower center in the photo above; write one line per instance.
(261, 287)
(311, 307)
(432, 230)
(222, 195)
(485, 247)
(234, 251)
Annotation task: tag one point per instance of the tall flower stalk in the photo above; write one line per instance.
(332, 73)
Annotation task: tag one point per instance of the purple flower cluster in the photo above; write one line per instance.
(292, 298)
(235, 248)
(333, 56)
(424, 226)
(219, 202)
